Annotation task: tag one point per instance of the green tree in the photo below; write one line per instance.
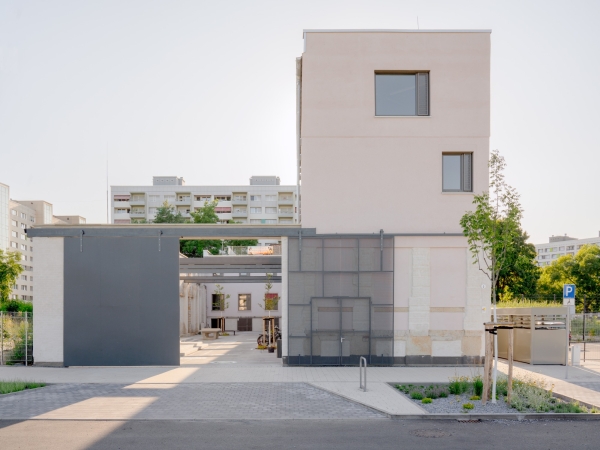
(195, 248)
(493, 230)
(271, 300)
(582, 269)
(167, 214)
(519, 277)
(220, 302)
(10, 269)
(206, 213)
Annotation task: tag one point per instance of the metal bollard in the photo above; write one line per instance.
(360, 368)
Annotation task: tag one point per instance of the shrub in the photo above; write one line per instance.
(431, 393)
(468, 406)
(426, 400)
(478, 385)
(444, 393)
(475, 397)
(459, 385)
(531, 394)
(16, 306)
(402, 388)
(416, 395)
(595, 410)
(574, 407)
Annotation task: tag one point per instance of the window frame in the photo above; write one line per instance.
(462, 173)
(247, 300)
(416, 73)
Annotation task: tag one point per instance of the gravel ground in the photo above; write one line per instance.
(453, 405)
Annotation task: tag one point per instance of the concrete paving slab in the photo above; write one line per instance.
(208, 401)
(380, 396)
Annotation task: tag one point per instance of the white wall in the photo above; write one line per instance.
(257, 292)
(48, 316)
(192, 308)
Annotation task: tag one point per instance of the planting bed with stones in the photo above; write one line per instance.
(462, 395)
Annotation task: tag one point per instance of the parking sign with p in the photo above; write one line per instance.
(568, 294)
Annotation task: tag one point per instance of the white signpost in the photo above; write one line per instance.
(569, 302)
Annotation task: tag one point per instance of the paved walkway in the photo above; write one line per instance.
(238, 401)
(231, 368)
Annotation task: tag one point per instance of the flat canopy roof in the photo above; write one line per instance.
(393, 31)
(192, 230)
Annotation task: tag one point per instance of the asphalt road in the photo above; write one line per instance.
(297, 434)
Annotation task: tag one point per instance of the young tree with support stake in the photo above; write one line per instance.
(492, 230)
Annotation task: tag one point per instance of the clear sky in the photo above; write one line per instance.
(206, 90)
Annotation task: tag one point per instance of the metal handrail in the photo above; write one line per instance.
(361, 368)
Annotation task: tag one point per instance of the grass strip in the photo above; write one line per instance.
(7, 387)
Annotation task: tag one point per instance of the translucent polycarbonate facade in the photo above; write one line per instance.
(341, 298)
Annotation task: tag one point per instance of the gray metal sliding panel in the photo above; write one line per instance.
(423, 94)
(121, 301)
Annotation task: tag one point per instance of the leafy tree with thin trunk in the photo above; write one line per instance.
(271, 300)
(492, 230)
(220, 302)
(10, 269)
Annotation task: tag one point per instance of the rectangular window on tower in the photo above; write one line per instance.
(457, 172)
(402, 94)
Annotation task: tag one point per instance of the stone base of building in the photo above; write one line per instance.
(406, 361)
(49, 364)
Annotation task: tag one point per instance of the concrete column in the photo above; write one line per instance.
(419, 342)
(477, 310)
(48, 315)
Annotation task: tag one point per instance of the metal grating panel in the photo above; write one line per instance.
(340, 300)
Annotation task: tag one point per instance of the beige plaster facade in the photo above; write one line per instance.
(360, 173)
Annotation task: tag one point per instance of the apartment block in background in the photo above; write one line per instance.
(558, 246)
(15, 217)
(264, 201)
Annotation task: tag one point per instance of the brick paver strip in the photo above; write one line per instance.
(191, 401)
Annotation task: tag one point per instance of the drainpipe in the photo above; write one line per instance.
(205, 305)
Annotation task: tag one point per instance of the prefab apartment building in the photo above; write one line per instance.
(263, 201)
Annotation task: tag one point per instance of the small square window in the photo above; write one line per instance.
(244, 302)
(218, 302)
(457, 172)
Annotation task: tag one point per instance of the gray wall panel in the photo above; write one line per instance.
(121, 301)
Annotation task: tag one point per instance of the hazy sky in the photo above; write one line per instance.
(206, 90)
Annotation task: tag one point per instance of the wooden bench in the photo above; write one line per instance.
(207, 332)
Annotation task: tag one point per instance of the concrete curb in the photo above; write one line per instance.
(519, 417)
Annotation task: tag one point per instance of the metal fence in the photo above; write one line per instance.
(16, 338)
(585, 330)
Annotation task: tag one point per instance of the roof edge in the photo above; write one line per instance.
(394, 31)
